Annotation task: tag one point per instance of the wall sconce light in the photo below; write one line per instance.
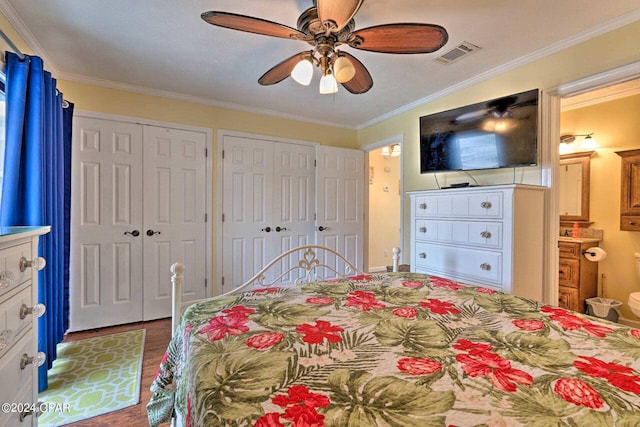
(391, 151)
(588, 143)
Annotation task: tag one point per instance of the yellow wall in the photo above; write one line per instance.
(605, 52)
(384, 208)
(616, 126)
(120, 102)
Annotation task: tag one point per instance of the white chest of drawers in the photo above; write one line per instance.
(489, 236)
(18, 325)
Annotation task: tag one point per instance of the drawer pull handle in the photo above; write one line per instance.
(36, 311)
(37, 263)
(423, 206)
(485, 266)
(423, 229)
(422, 255)
(486, 234)
(632, 223)
(6, 338)
(486, 205)
(6, 279)
(36, 360)
(27, 412)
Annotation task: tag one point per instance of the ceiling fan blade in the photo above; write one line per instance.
(338, 11)
(361, 81)
(251, 25)
(400, 38)
(281, 71)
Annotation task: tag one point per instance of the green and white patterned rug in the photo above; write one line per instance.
(93, 376)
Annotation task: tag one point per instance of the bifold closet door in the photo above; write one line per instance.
(106, 215)
(268, 204)
(138, 205)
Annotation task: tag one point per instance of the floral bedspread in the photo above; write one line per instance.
(396, 349)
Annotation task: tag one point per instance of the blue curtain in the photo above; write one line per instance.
(36, 185)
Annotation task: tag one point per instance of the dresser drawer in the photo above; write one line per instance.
(481, 205)
(10, 266)
(14, 378)
(568, 298)
(24, 398)
(10, 323)
(474, 264)
(569, 250)
(569, 272)
(477, 233)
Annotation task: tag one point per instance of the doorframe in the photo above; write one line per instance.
(219, 187)
(396, 139)
(550, 123)
(208, 173)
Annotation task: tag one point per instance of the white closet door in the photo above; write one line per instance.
(293, 204)
(247, 200)
(174, 215)
(340, 202)
(268, 205)
(106, 212)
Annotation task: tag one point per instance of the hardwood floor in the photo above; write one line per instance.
(157, 338)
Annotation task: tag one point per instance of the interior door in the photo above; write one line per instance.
(340, 202)
(106, 219)
(268, 205)
(293, 204)
(247, 182)
(174, 216)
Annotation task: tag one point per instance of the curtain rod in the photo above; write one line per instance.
(11, 45)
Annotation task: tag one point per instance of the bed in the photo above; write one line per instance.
(393, 349)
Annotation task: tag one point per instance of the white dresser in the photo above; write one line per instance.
(490, 236)
(19, 263)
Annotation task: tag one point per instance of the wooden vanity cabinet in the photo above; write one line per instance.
(630, 190)
(578, 277)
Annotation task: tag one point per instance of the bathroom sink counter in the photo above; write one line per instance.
(579, 240)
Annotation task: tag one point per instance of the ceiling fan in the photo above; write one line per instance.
(326, 26)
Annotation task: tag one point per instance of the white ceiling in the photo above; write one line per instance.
(164, 47)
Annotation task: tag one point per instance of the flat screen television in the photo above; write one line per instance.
(500, 133)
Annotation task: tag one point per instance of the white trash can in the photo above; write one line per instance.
(605, 308)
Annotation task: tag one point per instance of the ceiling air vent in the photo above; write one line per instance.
(457, 52)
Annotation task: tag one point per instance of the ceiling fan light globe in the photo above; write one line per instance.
(328, 84)
(303, 72)
(343, 69)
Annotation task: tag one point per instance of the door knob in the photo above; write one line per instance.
(321, 228)
(150, 232)
(278, 229)
(134, 233)
(267, 229)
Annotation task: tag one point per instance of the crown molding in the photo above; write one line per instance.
(23, 31)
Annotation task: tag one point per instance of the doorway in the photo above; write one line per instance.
(384, 202)
(609, 114)
(550, 122)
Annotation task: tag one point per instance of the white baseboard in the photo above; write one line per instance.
(629, 322)
(382, 269)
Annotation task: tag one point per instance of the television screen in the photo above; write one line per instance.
(500, 133)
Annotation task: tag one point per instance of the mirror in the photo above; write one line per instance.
(574, 188)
